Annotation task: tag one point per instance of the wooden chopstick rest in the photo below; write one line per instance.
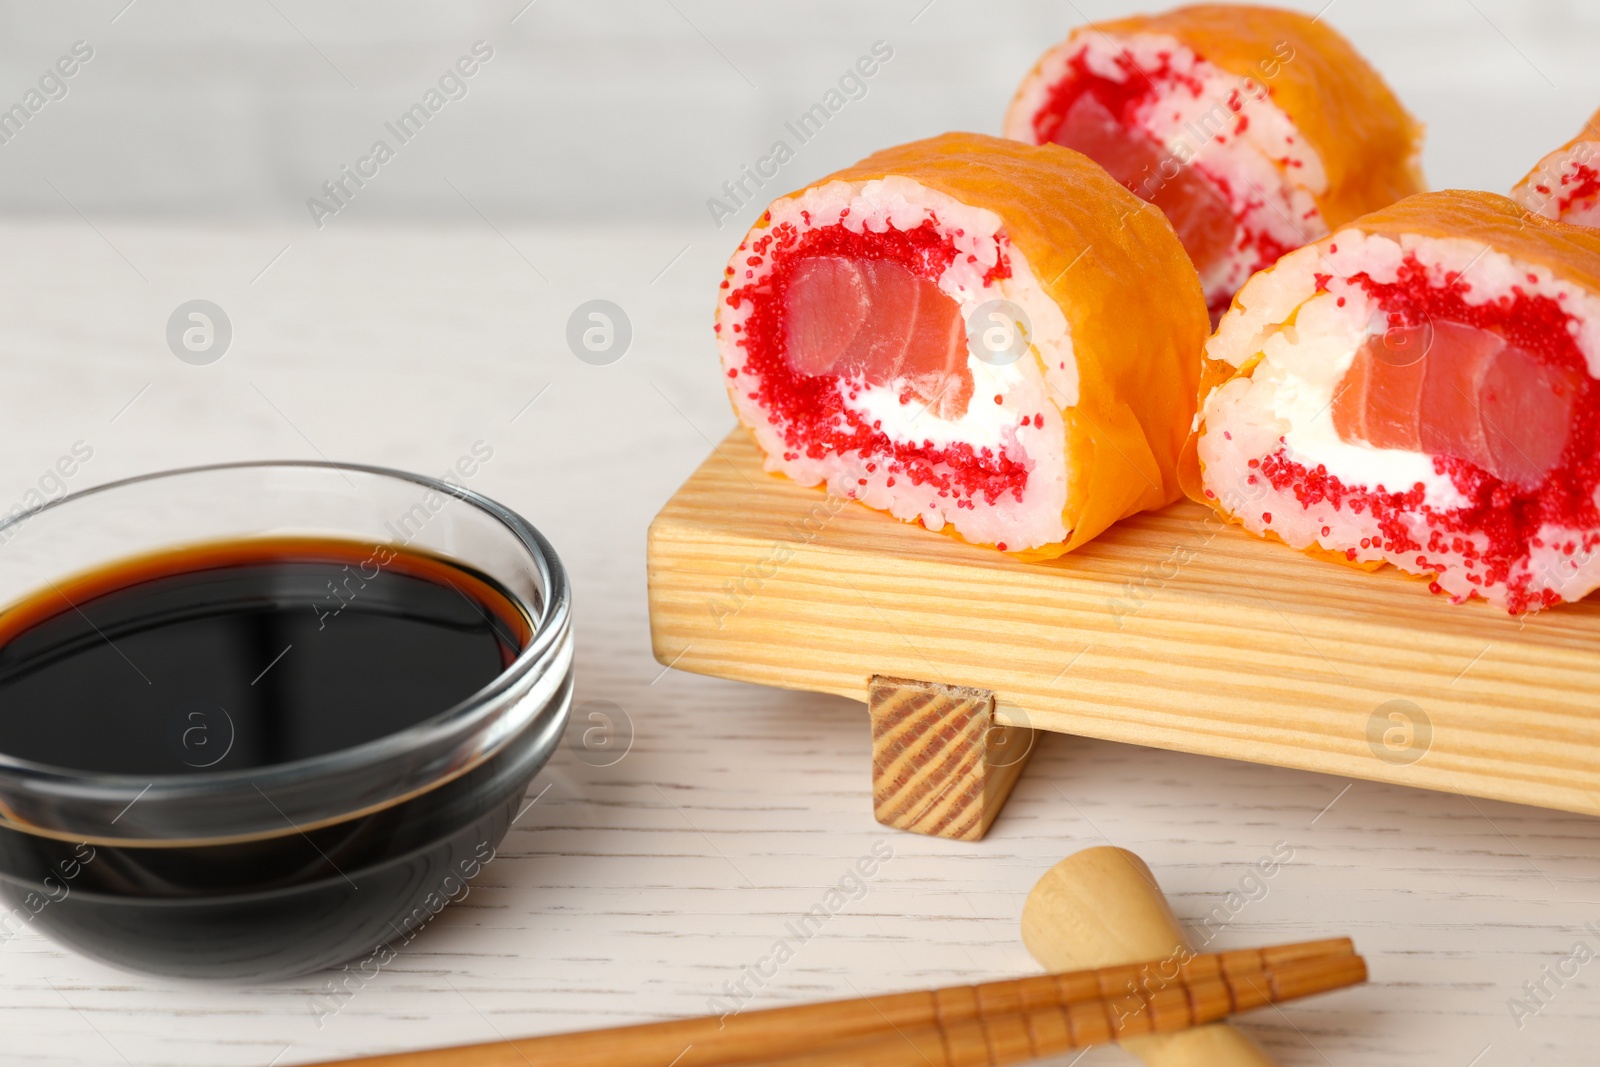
(1102, 906)
(1007, 1022)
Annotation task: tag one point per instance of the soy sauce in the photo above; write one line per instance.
(238, 656)
(245, 654)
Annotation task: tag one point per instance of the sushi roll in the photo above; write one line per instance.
(1565, 184)
(1255, 130)
(1418, 389)
(989, 338)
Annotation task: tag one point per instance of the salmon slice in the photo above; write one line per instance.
(1449, 419)
(875, 319)
(1197, 209)
(827, 305)
(1527, 411)
(935, 358)
(1450, 389)
(1378, 399)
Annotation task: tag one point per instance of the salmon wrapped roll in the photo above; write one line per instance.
(1419, 390)
(1255, 130)
(1565, 184)
(993, 339)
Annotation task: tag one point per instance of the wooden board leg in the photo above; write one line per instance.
(940, 764)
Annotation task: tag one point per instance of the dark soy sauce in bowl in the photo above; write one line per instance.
(250, 672)
(245, 655)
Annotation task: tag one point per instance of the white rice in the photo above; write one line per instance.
(1271, 175)
(1287, 402)
(1043, 381)
(1542, 191)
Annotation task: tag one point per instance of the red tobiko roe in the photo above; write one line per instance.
(1509, 517)
(1197, 208)
(1584, 183)
(807, 409)
(1104, 128)
(1121, 98)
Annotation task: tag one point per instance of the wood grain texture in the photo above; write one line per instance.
(1171, 630)
(940, 764)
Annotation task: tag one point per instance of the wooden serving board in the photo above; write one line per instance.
(1171, 630)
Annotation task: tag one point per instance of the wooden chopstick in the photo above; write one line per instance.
(1020, 1037)
(990, 1024)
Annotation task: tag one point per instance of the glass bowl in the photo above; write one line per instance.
(274, 871)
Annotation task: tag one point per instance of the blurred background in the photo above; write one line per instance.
(638, 110)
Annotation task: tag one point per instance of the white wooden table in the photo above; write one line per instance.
(647, 888)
